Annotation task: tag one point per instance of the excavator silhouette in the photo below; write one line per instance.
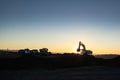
(83, 50)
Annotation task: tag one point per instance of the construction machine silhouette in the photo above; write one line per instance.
(83, 50)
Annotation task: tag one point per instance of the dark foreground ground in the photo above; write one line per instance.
(59, 67)
(78, 73)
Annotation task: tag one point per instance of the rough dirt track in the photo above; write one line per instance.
(80, 73)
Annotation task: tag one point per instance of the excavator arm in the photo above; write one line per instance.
(79, 47)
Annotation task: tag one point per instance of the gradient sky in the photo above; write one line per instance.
(59, 25)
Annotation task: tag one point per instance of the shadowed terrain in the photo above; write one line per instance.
(60, 67)
(56, 61)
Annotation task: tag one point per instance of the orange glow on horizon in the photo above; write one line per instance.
(70, 48)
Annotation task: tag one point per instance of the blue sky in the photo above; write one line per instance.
(60, 24)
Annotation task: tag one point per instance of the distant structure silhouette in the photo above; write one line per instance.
(44, 51)
(25, 52)
(28, 52)
(83, 51)
(34, 52)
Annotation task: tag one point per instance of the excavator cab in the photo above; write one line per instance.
(78, 50)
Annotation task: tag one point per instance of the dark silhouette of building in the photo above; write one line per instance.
(28, 52)
(44, 51)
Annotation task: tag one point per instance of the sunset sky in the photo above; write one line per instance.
(59, 25)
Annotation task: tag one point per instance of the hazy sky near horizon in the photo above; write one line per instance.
(60, 24)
